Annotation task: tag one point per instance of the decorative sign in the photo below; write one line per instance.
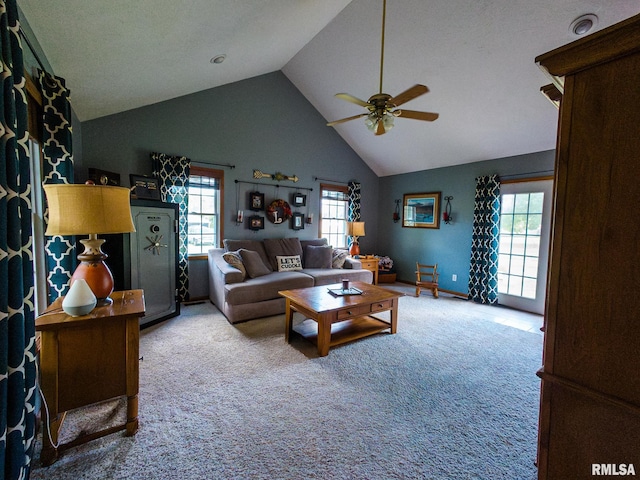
(278, 177)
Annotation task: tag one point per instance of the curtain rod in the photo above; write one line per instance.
(33, 51)
(205, 165)
(315, 179)
(274, 185)
(540, 173)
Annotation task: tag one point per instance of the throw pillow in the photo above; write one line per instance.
(235, 260)
(317, 256)
(338, 258)
(288, 263)
(282, 247)
(253, 263)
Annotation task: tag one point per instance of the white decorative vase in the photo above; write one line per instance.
(80, 300)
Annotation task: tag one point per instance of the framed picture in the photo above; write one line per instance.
(297, 221)
(102, 177)
(299, 200)
(145, 188)
(421, 210)
(256, 222)
(256, 201)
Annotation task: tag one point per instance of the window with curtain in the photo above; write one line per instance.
(334, 208)
(205, 209)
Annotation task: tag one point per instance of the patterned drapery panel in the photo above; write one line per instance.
(57, 168)
(354, 206)
(483, 272)
(173, 173)
(17, 317)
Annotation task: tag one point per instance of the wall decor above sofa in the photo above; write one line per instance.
(279, 211)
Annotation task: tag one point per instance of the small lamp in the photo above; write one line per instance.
(355, 230)
(93, 210)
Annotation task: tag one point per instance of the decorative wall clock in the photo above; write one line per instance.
(278, 211)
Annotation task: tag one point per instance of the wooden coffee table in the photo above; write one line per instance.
(333, 320)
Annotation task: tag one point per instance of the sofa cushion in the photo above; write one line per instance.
(281, 247)
(328, 276)
(288, 263)
(253, 263)
(339, 256)
(266, 287)
(318, 242)
(235, 260)
(316, 256)
(254, 245)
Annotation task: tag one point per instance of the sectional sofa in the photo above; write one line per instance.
(246, 275)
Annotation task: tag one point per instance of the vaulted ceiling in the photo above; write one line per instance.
(476, 57)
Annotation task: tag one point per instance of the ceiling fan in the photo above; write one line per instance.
(382, 107)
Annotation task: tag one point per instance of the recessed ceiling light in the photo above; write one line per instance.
(583, 24)
(218, 58)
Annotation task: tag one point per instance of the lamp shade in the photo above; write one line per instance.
(355, 229)
(88, 209)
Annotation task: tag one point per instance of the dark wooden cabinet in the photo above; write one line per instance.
(590, 393)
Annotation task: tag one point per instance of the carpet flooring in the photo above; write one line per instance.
(453, 395)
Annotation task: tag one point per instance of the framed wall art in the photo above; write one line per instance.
(145, 188)
(256, 222)
(297, 221)
(256, 201)
(299, 200)
(421, 210)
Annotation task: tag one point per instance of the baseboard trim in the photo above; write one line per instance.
(464, 296)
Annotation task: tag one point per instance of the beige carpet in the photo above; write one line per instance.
(453, 395)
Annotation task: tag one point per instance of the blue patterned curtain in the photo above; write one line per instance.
(354, 206)
(483, 273)
(17, 317)
(57, 168)
(173, 173)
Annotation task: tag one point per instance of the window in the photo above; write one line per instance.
(205, 207)
(334, 205)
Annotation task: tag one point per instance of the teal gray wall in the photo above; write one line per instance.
(262, 123)
(450, 245)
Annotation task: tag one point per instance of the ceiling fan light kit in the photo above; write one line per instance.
(383, 108)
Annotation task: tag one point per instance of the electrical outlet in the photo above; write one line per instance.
(454, 277)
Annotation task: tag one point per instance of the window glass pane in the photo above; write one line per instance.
(506, 224)
(520, 223)
(535, 202)
(522, 203)
(517, 265)
(529, 287)
(515, 285)
(534, 224)
(505, 244)
(507, 202)
(517, 246)
(503, 283)
(503, 263)
(533, 246)
(531, 267)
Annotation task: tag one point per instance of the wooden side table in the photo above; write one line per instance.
(370, 264)
(89, 359)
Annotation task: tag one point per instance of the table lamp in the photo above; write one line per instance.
(355, 230)
(93, 210)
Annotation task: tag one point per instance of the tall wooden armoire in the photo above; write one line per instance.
(590, 393)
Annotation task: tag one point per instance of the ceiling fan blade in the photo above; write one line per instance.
(409, 94)
(336, 122)
(427, 116)
(352, 99)
(380, 128)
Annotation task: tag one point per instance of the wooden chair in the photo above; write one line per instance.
(427, 277)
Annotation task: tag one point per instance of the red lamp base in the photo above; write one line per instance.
(355, 249)
(94, 270)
